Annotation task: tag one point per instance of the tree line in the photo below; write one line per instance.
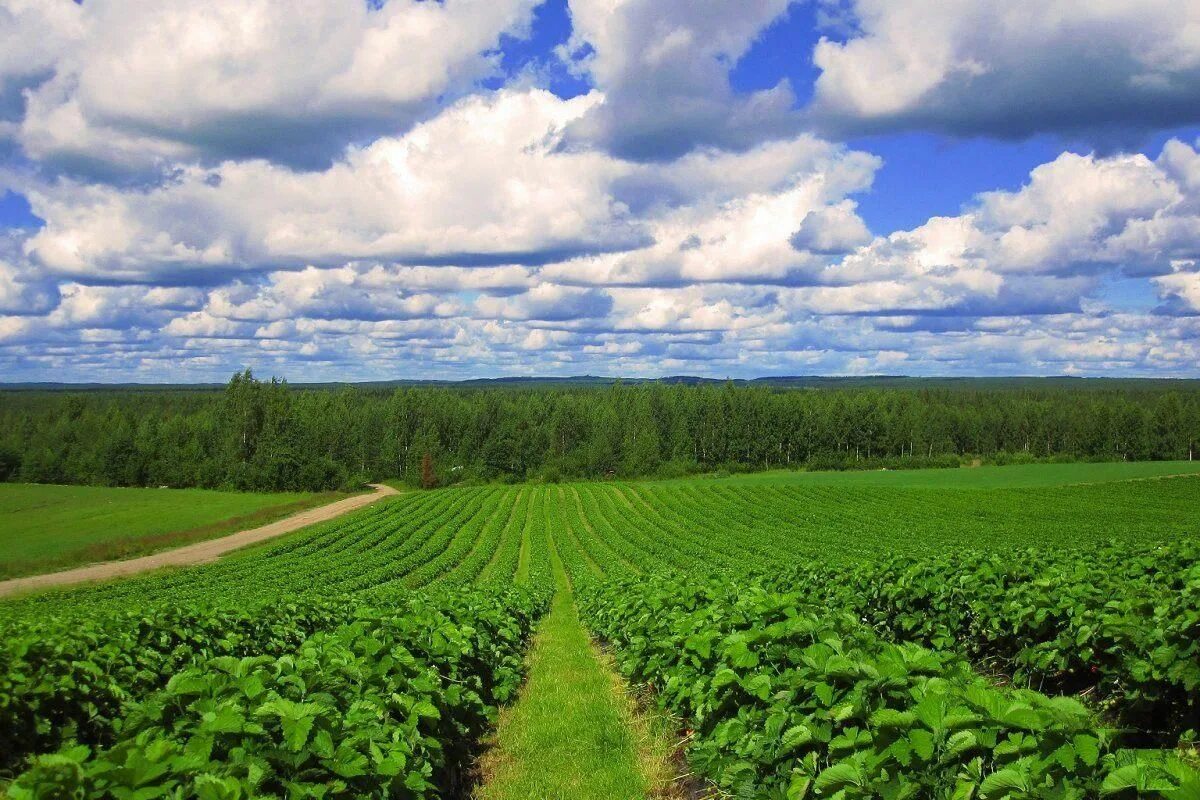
(264, 435)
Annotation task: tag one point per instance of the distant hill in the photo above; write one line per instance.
(585, 381)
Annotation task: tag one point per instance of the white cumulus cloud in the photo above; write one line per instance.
(663, 66)
(119, 85)
(1012, 67)
(483, 182)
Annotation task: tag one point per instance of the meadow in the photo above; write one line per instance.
(50, 527)
(1013, 632)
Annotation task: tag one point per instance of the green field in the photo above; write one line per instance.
(817, 635)
(53, 527)
(982, 477)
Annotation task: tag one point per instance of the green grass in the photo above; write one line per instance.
(54, 527)
(574, 732)
(985, 477)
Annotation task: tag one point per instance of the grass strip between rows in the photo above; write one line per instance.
(575, 732)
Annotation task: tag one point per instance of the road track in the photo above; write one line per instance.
(199, 553)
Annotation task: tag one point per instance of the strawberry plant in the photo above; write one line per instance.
(389, 704)
(790, 700)
(1117, 625)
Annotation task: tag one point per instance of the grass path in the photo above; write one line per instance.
(574, 733)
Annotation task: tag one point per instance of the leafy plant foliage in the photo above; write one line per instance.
(787, 699)
(1119, 624)
(389, 701)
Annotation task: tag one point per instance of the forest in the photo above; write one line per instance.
(266, 435)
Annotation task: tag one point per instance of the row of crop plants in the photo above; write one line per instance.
(1117, 625)
(309, 668)
(389, 700)
(787, 698)
(846, 523)
(816, 677)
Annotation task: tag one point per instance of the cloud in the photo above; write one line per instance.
(484, 183)
(204, 325)
(1012, 68)
(33, 35)
(831, 231)
(691, 309)
(345, 293)
(23, 290)
(1181, 288)
(547, 302)
(121, 308)
(704, 231)
(663, 66)
(711, 175)
(769, 271)
(1040, 249)
(481, 183)
(119, 86)
(1081, 210)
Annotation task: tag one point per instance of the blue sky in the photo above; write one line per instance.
(471, 188)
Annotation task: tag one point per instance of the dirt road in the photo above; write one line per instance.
(198, 553)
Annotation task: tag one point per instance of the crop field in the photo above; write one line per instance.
(53, 527)
(983, 477)
(1002, 638)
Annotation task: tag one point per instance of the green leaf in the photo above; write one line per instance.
(892, 718)
(723, 677)
(1004, 783)
(740, 655)
(212, 787)
(427, 710)
(1087, 748)
(799, 786)
(922, 743)
(794, 738)
(1065, 755)
(759, 686)
(961, 742)
(841, 774)
(700, 643)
